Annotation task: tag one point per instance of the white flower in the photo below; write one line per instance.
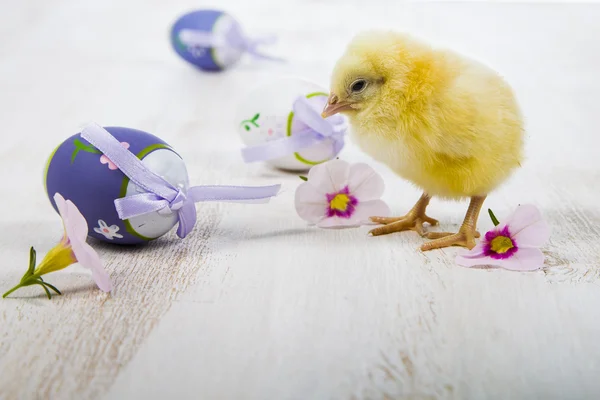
(338, 194)
(109, 232)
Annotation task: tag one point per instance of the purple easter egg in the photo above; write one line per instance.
(191, 33)
(82, 174)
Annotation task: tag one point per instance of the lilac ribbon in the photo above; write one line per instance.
(319, 129)
(160, 195)
(233, 38)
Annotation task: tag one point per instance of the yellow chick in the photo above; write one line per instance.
(447, 123)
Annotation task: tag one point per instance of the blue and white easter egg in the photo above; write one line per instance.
(266, 114)
(82, 174)
(203, 23)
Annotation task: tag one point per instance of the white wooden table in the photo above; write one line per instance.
(253, 304)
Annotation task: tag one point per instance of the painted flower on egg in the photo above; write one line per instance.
(514, 244)
(109, 232)
(337, 194)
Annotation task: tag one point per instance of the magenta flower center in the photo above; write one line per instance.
(341, 204)
(500, 244)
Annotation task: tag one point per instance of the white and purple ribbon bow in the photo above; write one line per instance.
(318, 129)
(234, 37)
(160, 195)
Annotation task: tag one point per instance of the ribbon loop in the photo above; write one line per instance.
(318, 129)
(178, 201)
(234, 38)
(160, 195)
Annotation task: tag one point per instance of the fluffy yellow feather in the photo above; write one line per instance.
(447, 123)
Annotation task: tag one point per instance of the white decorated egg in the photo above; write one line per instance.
(266, 114)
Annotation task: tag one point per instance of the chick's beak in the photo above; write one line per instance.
(334, 106)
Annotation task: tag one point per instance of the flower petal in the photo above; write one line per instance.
(337, 222)
(59, 257)
(61, 204)
(466, 260)
(372, 208)
(310, 204)
(330, 176)
(525, 259)
(76, 225)
(88, 258)
(360, 216)
(364, 183)
(476, 252)
(528, 227)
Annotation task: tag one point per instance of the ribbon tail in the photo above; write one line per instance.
(265, 40)
(338, 145)
(281, 147)
(236, 194)
(187, 219)
(257, 54)
(239, 40)
(139, 204)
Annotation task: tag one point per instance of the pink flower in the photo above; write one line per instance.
(105, 160)
(76, 232)
(337, 194)
(513, 245)
(71, 249)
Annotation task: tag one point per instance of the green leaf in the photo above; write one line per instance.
(52, 287)
(80, 146)
(246, 127)
(257, 116)
(32, 259)
(75, 152)
(87, 148)
(303, 178)
(493, 217)
(47, 291)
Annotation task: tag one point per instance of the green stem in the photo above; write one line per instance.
(29, 280)
(12, 290)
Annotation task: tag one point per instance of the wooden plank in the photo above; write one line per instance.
(254, 304)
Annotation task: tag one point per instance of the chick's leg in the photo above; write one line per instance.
(413, 221)
(465, 236)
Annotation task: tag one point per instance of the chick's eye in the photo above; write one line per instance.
(358, 85)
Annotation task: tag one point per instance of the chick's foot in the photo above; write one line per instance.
(464, 237)
(413, 221)
(438, 235)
